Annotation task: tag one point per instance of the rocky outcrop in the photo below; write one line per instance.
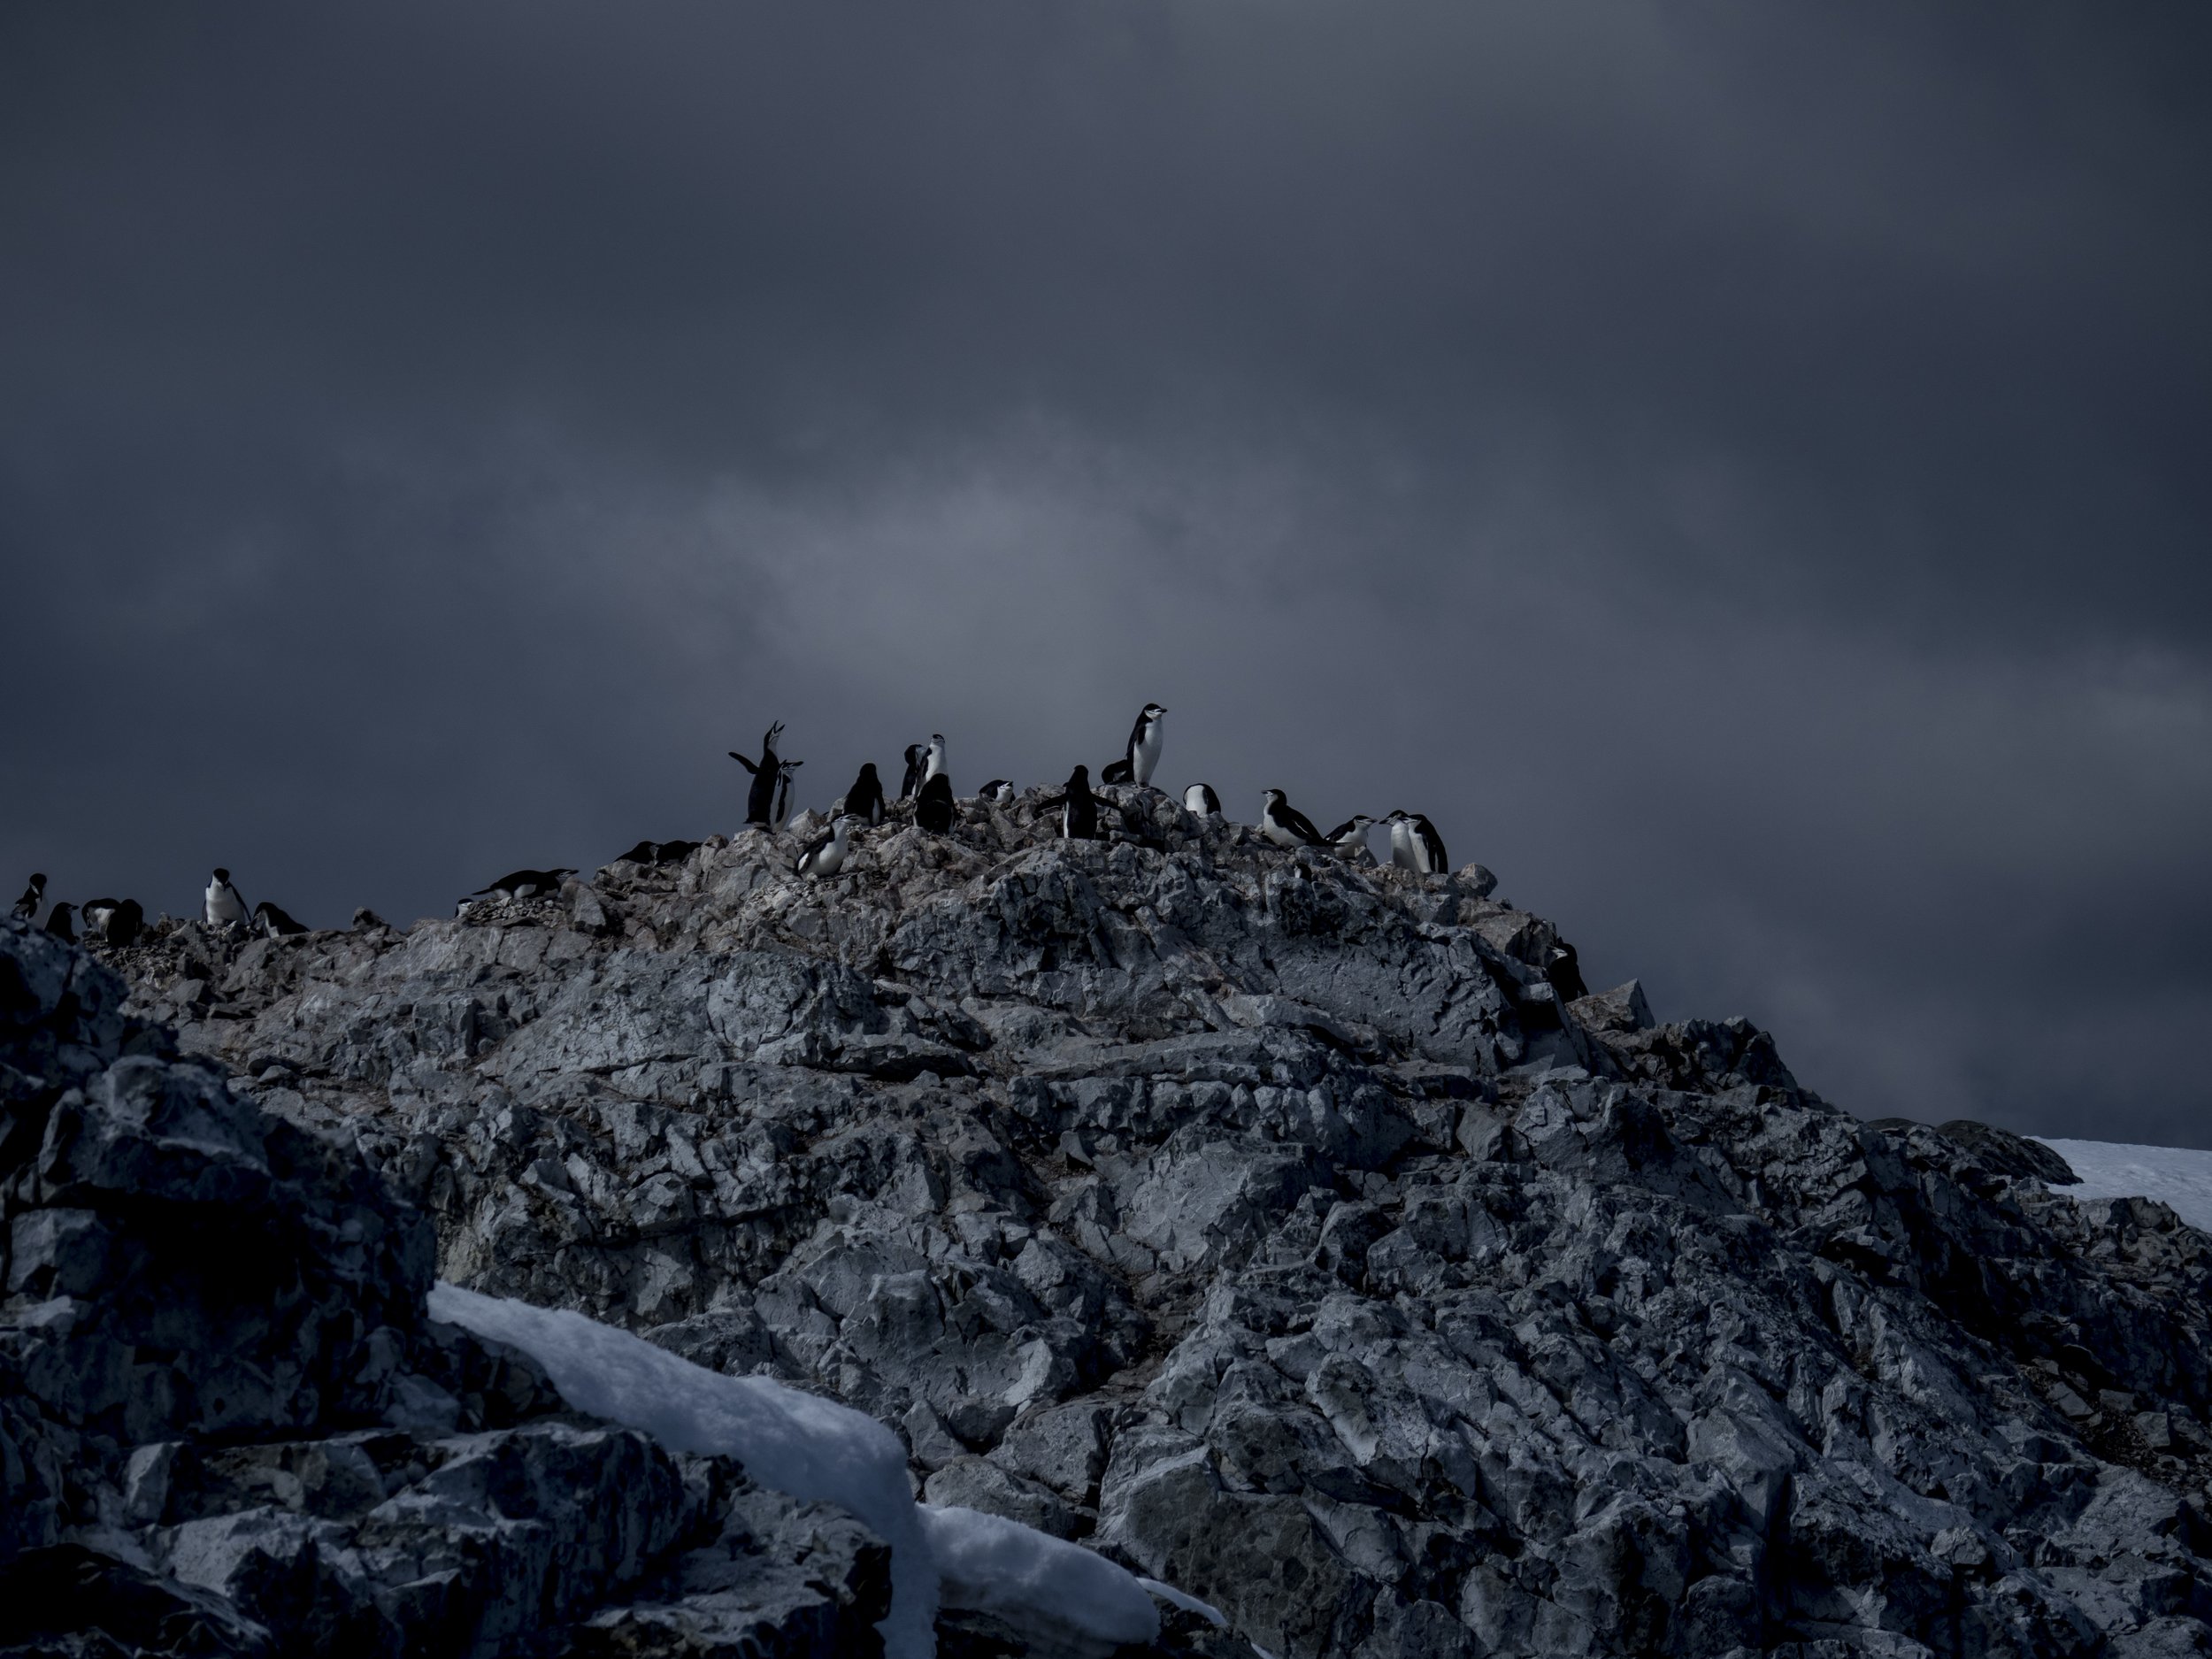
(1277, 1227)
(227, 1427)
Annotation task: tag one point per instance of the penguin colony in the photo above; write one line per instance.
(1415, 844)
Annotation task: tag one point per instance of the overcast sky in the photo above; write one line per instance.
(1745, 472)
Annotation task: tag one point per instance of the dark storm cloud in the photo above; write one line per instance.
(1741, 472)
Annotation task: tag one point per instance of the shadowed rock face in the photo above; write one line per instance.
(226, 1426)
(1273, 1224)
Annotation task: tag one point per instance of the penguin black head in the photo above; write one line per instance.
(221, 874)
(38, 881)
(1080, 778)
(867, 769)
(1153, 710)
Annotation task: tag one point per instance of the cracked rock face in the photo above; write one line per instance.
(227, 1428)
(1270, 1223)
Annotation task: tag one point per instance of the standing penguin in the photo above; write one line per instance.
(125, 922)
(225, 906)
(1429, 846)
(93, 914)
(865, 798)
(34, 895)
(57, 922)
(1200, 798)
(1563, 969)
(1078, 807)
(917, 764)
(1284, 825)
(825, 855)
(1414, 845)
(784, 769)
(936, 766)
(760, 800)
(998, 792)
(1141, 759)
(933, 807)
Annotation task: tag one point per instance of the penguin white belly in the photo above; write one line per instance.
(1146, 759)
(1402, 852)
(224, 906)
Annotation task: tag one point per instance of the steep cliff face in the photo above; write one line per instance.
(1274, 1226)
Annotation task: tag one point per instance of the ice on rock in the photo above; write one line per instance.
(816, 1449)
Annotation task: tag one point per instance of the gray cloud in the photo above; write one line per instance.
(1739, 474)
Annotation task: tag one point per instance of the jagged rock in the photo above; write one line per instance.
(1271, 1222)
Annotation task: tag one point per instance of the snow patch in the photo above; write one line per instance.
(1015, 1570)
(814, 1448)
(2180, 1177)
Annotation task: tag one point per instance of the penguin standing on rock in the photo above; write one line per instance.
(125, 922)
(916, 764)
(1428, 846)
(760, 800)
(34, 895)
(1286, 825)
(226, 908)
(1201, 799)
(932, 806)
(935, 766)
(57, 922)
(1078, 807)
(1141, 759)
(825, 856)
(998, 792)
(1414, 845)
(275, 922)
(865, 798)
(93, 914)
(784, 769)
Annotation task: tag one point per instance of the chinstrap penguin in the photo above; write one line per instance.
(1428, 846)
(998, 792)
(34, 895)
(784, 769)
(275, 922)
(1414, 845)
(1286, 825)
(57, 922)
(935, 766)
(1200, 798)
(932, 806)
(123, 922)
(1564, 970)
(225, 907)
(760, 800)
(865, 798)
(1349, 838)
(916, 763)
(1078, 807)
(825, 855)
(93, 914)
(1142, 758)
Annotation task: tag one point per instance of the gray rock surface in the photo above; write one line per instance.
(227, 1427)
(1267, 1221)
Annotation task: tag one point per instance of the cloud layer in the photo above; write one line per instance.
(1739, 473)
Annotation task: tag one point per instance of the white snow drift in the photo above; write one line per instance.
(814, 1448)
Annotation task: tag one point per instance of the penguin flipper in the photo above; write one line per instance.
(1117, 772)
(748, 764)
